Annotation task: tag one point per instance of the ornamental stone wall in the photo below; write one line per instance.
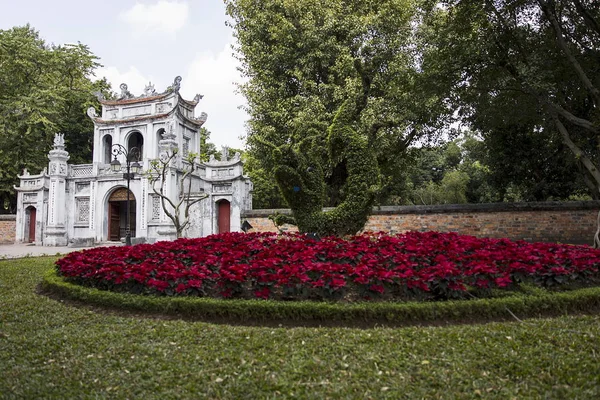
(564, 222)
(8, 228)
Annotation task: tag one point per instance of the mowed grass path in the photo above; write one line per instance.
(50, 349)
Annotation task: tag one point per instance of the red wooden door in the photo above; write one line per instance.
(224, 210)
(114, 221)
(32, 219)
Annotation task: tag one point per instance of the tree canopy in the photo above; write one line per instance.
(304, 59)
(44, 89)
(524, 73)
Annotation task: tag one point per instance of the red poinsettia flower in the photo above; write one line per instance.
(295, 266)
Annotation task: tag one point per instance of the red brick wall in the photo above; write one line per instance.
(565, 222)
(8, 228)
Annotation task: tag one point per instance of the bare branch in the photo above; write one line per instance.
(158, 172)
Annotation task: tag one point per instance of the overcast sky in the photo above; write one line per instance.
(139, 41)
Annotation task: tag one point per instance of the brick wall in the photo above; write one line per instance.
(565, 222)
(8, 226)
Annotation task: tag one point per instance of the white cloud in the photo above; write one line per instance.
(214, 76)
(132, 77)
(162, 17)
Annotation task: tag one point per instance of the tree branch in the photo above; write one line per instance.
(579, 154)
(589, 21)
(555, 108)
(380, 125)
(366, 82)
(562, 43)
(584, 123)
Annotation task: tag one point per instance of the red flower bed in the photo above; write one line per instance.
(428, 265)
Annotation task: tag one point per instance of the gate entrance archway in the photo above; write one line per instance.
(117, 214)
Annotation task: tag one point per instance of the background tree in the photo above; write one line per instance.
(436, 176)
(44, 89)
(304, 59)
(265, 192)
(516, 166)
(526, 165)
(207, 148)
(523, 73)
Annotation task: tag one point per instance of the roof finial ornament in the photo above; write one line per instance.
(91, 112)
(175, 86)
(149, 90)
(99, 95)
(125, 94)
(224, 153)
(198, 97)
(59, 141)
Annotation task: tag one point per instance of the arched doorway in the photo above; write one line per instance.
(117, 214)
(136, 140)
(107, 147)
(30, 213)
(159, 137)
(223, 216)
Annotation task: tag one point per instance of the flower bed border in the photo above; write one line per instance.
(264, 312)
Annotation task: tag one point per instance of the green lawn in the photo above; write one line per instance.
(49, 349)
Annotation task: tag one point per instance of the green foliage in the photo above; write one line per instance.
(536, 165)
(207, 148)
(60, 349)
(265, 192)
(517, 166)
(44, 89)
(300, 177)
(524, 75)
(304, 58)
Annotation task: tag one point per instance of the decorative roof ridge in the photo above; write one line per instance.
(134, 119)
(218, 164)
(27, 175)
(150, 94)
(133, 100)
(193, 102)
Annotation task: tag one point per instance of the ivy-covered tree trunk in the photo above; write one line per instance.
(300, 177)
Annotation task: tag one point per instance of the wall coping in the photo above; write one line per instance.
(8, 217)
(457, 208)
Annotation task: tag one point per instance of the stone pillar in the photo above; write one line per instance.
(56, 233)
(167, 145)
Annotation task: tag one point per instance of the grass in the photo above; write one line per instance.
(50, 349)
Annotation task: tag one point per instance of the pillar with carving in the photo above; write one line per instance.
(56, 232)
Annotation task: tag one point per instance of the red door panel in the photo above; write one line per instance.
(114, 221)
(32, 219)
(224, 218)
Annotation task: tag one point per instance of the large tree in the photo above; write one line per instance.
(525, 73)
(44, 89)
(308, 61)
